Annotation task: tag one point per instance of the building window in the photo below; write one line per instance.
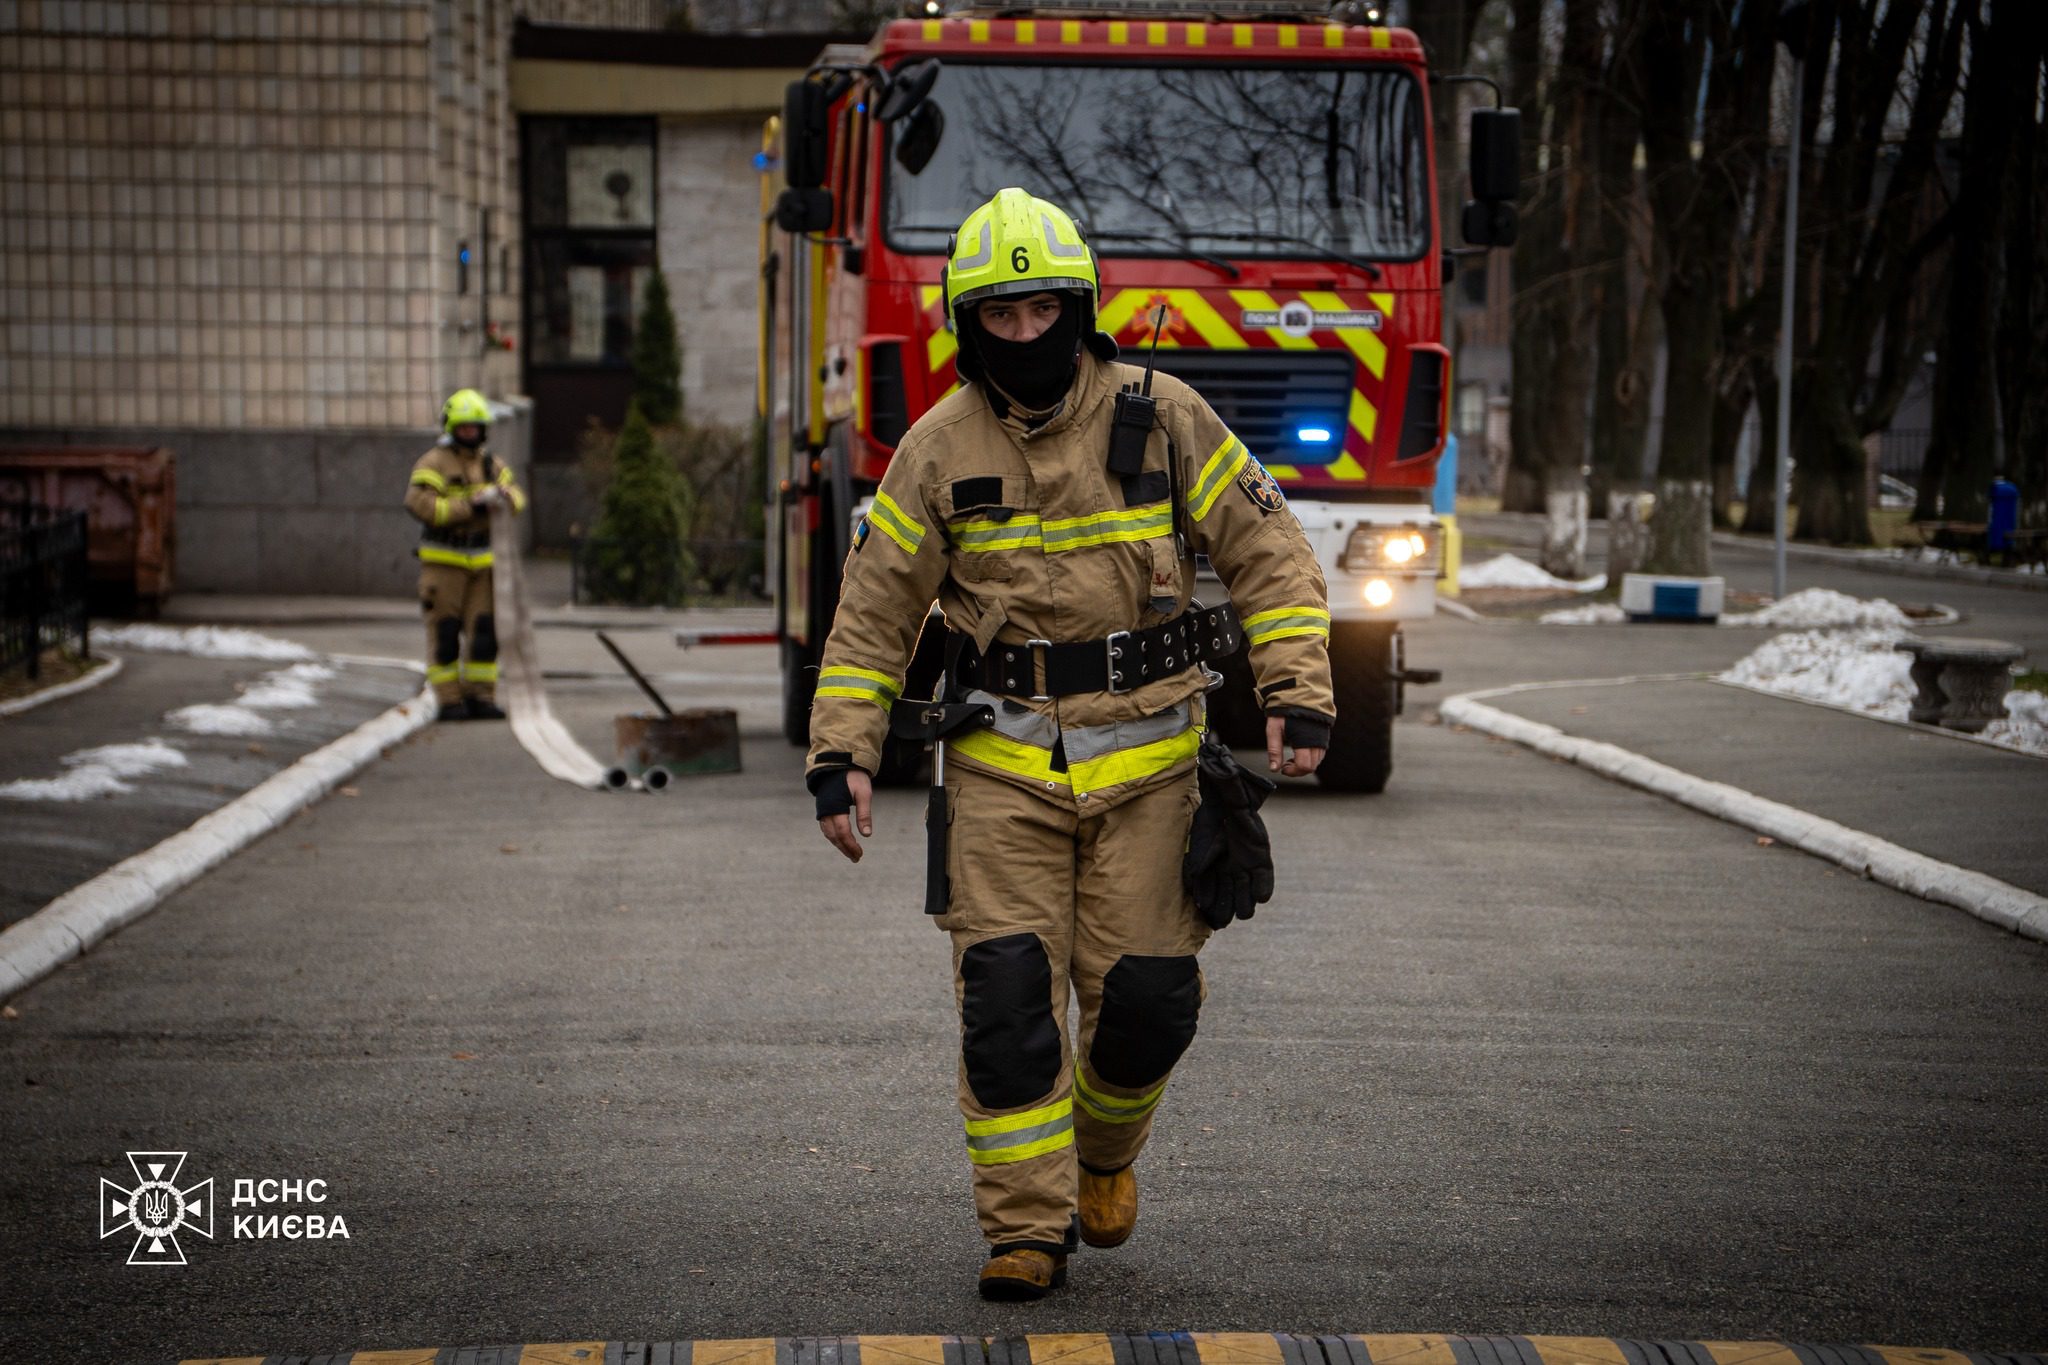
(1472, 409)
(590, 219)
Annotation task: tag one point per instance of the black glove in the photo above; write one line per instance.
(829, 786)
(1304, 729)
(1228, 868)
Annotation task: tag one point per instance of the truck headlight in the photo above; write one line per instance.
(1378, 592)
(1396, 547)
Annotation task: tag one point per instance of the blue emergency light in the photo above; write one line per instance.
(1313, 435)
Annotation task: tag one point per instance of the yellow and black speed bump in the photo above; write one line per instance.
(1154, 1348)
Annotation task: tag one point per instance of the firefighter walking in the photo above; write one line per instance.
(1065, 575)
(453, 488)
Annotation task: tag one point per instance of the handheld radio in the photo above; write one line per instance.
(1135, 412)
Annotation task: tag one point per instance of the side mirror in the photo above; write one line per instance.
(907, 89)
(1497, 154)
(919, 140)
(804, 210)
(1490, 222)
(804, 127)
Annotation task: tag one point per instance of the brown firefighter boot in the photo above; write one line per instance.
(1108, 1205)
(1022, 1275)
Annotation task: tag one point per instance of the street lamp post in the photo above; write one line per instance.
(1792, 25)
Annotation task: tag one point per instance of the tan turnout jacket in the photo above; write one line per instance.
(1026, 535)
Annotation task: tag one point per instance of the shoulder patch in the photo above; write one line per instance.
(1259, 486)
(860, 534)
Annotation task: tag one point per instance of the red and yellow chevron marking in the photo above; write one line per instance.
(940, 345)
(1192, 320)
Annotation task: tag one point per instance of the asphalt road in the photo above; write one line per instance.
(1515, 1050)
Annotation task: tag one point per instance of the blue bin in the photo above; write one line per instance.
(2005, 516)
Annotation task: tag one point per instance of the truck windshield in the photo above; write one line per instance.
(1219, 157)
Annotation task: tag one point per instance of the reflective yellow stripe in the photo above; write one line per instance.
(1027, 31)
(1119, 33)
(512, 493)
(1019, 1137)
(1114, 1108)
(1012, 1123)
(1282, 622)
(1216, 475)
(461, 559)
(1136, 763)
(1382, 38)
(1333, 35)
(1007, 755)
(1365, 418)
(430, 479)
(861, 684)
(475, 672)
(1107, 528)
(440, 511)
(1198, 35)
(1002, 1155)
(1070, 30)
(441, 673)
(895, 523)
(975, 537)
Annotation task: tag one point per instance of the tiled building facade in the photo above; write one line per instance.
(238, 229)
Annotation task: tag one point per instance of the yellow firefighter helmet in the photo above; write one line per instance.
(1017, 243)
(465, 406)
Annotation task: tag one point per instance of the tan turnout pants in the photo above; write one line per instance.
(462, 634)
(1043, 899)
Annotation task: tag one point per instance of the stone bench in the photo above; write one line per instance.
(1960, 683)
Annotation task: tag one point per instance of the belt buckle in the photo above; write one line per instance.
(1037, 664)
(1112, 650)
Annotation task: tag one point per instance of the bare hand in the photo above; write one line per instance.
(838, 829)
(1299, 762)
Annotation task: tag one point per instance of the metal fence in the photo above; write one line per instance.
(42, 584)
(706, 572)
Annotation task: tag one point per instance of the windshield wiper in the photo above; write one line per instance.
(1139, 235)
(1320, 248)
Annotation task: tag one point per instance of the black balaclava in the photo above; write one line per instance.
(483, 434)
(1035, 373)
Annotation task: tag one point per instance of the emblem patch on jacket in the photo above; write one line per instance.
(860, 535)
(1259, 486)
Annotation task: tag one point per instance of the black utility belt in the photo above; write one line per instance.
(1118, 663)
(458, 540)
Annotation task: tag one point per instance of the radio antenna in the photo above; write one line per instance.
(1152, 351)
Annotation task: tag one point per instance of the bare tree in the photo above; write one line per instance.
(1870, 239)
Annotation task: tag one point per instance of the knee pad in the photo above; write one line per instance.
(1148, 1014)
(483, 639)
(1008, 1036)
(447, 640)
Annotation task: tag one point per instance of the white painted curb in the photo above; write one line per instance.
(2000, 903)
(32, 948)
(106, 673)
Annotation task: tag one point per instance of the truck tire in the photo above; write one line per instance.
(1362, 669)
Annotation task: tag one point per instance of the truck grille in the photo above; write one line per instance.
(1270, 397)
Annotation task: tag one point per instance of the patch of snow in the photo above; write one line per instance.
(210, 718)
(1592, 614)
(286, 689)
(1511, 571)
(2025, 725)
(1820, 608)
(1859, 669)
(206, 642)
(97, 772)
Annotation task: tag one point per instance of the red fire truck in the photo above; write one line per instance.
(1261, 196)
